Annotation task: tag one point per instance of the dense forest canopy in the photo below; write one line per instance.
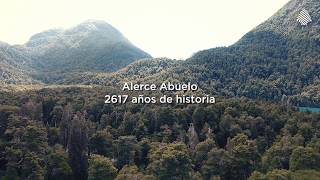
(68, 133)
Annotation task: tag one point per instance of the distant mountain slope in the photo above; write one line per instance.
(284, 22)
(14, 66)
(279, 60)
(144, 70)
(93, 46)
(90, 46)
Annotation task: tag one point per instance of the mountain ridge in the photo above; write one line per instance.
(90, 46)
(264, 64)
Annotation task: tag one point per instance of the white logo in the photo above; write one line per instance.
(304, 18)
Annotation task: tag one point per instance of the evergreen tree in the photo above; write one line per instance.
(101, 168)
(78, 147)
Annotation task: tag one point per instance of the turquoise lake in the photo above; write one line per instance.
(309, 109)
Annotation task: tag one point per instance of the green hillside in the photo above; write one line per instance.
(278, 60)
(92, 46)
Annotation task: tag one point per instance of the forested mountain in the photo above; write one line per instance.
(144, 70)
(278, 60)
(14, 67)
(90, 46)
(252, 132)
(93, 46)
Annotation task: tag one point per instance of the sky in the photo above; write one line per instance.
(163, 28)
